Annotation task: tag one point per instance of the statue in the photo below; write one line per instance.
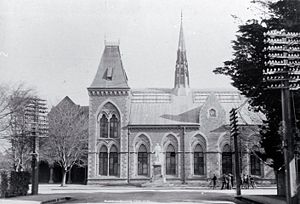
(157, 154)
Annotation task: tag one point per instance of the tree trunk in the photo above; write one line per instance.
(64, 176)
(280, 180)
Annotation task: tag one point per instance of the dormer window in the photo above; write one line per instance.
(109, 73)
(212, 113)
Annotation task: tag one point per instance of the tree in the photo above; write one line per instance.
(67, 144)
(245, 70)
(13, 127)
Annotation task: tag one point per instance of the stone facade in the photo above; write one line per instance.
(190, 125)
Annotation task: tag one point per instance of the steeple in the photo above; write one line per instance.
(182, 83)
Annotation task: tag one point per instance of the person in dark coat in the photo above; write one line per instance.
(223, 182)
(214, 181)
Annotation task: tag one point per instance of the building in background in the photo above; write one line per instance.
(191, 126)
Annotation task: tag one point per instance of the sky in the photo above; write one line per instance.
(55, 46)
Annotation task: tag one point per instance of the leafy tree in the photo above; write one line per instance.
(245, 70)
(68, 136)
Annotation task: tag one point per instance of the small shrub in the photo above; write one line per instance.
(19, 183)
(4, 184)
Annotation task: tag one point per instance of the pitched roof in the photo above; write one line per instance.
(110, 73)
(161, 107)
(65, 100)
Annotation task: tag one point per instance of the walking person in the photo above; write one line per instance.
(214, 181)
(244, 181)
(232, 181)
(229, 184)
(247, 182)
(223, 182)
(252, 183)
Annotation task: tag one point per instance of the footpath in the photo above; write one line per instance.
(53, 193)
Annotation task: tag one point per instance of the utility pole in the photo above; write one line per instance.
(235, 132)
(37, 123)
(283, 72)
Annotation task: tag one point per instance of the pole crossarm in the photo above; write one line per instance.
(282, 71)
(282, 60)
(37, 126)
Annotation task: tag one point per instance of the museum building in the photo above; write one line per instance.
(190, 126)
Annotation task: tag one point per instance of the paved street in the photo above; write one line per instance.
(129, 194)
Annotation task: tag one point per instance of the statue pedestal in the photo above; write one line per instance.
(157, 177)
(157, 174)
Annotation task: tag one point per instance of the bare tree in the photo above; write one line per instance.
(67, 143)
(13, 126)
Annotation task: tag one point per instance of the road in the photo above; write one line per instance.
(155, 196)
(125, 194)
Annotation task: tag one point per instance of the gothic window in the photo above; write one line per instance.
(255, 166)
(104, 126)
(212, 113)
(226, 160)
(113, 161)
(103, 161)
(170, 160)
(198, 160)
(143, 161)
(114, 127)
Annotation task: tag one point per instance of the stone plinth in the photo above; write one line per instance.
(157, 174)
(157, 177)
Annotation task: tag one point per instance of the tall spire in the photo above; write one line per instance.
(181, 44)
(182, 83)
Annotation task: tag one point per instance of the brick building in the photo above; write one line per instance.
(191, 126)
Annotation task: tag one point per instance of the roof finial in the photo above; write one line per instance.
(181, 16)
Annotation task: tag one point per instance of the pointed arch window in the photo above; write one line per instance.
(226, 160)
(143, 161)
(198, 160)
(170, 160)
(113, 161)
(255, 165)
(103, 161)
(104, 126)
(114, 127)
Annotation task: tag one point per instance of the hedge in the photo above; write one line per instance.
(16, 185)
(4, 184)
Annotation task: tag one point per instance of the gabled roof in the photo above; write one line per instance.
(65, 100)
(161, 107)
(110, 73)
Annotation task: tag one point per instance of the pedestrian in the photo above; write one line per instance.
(214, 181)
(247, 182)
(229, 186)
(232, 179)
(223, 182)
(252, 183)
(227, 181)
(244, 181)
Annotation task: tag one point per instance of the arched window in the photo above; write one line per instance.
(143, 161)
(255, 165)
(103, 126)
(114, 127)
(103, 161)
(170, 160)
(226, 160)
(212, 113)
(113, 161)
(198, 160)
